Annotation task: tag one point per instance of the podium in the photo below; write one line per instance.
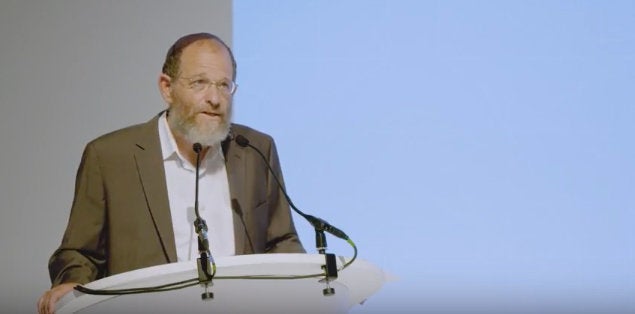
(232, 294)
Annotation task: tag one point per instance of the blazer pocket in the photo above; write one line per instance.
(261, 204)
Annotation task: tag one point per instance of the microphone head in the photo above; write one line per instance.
(241, 140)
(197, 147)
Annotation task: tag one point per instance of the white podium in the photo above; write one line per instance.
(264, 295)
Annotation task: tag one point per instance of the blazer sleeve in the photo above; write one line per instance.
(281, 233)
(81, 256)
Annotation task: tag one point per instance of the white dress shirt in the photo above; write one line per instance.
(214, 203)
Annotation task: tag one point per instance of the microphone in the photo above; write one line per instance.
(317, 223)
(238, 210)
(320, 225)
(199, 224)
(203, 262)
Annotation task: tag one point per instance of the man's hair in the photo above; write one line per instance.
(173, 57)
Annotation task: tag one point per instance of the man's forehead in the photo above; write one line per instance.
(206, 44)
(199, 52)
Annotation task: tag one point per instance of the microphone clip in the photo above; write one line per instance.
(330, 265)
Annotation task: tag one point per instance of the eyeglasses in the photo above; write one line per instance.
(224, 86)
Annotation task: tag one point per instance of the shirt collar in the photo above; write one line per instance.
(168, 144)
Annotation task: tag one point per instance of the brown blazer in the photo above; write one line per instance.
(120, 218)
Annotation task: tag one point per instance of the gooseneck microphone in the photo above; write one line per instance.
(205, 271)
(320, 225)
(316, 222)
(199, 223)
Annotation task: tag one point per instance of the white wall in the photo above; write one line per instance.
(70, 71)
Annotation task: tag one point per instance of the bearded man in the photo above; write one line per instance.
(134, 193)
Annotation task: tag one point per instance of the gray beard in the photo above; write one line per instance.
(206, 136)
(213, 138)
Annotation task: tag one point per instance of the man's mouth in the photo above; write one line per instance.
(212, 114)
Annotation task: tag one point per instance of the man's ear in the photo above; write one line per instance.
(165, 87)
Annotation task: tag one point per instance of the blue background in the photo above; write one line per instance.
(480, 151)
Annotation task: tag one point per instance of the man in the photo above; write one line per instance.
(134, 190)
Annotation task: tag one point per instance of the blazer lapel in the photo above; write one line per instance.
(234, 163)
(149, 162)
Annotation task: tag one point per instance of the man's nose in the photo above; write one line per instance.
(213, 96)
